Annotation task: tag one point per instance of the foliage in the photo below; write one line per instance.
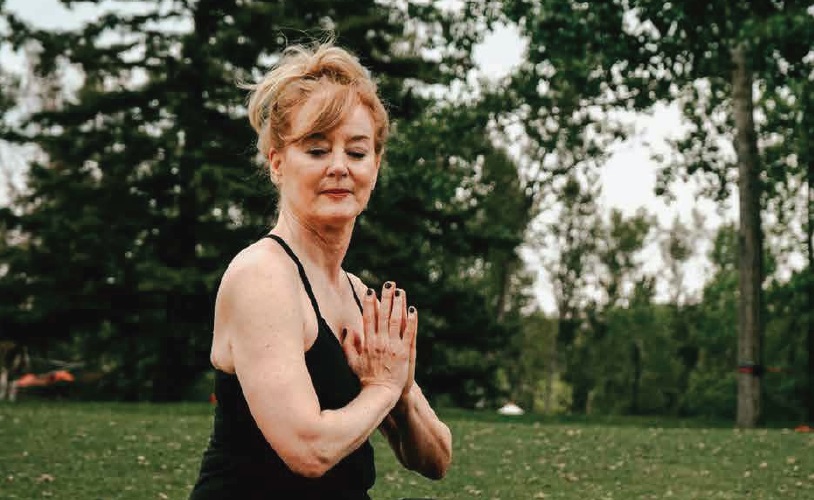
(585, 59)
(148, 187)
(786, 377)
(527, 376)
(444, 223)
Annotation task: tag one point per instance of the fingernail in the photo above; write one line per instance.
(388, 285)
(344, 332)
(370, 291)
(398, 292)
(411, 310)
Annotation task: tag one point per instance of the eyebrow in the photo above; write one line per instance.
(321, 137)
(314, 137)
(359, 137)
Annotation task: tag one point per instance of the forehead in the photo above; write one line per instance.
(359, 121)
(355, 121)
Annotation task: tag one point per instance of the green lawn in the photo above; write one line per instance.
(123, 451)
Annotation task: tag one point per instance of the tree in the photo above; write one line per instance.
(788, 103)
(706, 55)
(560, 97)
(678, 245)
(529, 380)
(148, 186)
(445, 222)
(568, 243)
(712, 54)
(621, 242)
(713, 330)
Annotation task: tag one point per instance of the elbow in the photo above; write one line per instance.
(436, 472)
(308, 465)
(436, 468)
(308, 461)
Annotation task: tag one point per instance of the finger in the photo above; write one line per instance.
(350, 347)
(403, 314)
(385, 306)
(369, 313)
(414, 340)
(397, 315)
(358, 342)
(412, 327)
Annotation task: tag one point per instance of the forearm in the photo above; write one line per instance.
(342, 431)
(421, 441)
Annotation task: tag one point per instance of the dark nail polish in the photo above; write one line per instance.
(411, 310)
(388, 285)
(398, 293)
(370, 291)
(344, 332)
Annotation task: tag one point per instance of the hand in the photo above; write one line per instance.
(381, 355)
(406, 312)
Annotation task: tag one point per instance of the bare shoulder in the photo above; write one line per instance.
(262, 258)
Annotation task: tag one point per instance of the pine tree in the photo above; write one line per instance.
(149, 184)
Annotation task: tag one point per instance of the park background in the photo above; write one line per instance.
(130, 180)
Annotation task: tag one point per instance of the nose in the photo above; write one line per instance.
(338, 166)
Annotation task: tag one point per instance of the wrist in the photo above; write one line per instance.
(392, 393)
(405, 401)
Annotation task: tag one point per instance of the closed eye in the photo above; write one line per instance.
(317, 152)
(357, 154)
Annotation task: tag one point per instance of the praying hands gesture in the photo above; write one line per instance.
(384, 354)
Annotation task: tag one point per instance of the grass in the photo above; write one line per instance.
(140, 451)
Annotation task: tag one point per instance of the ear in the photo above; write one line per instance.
(275, 158)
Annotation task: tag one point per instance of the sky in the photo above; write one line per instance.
(628, 177)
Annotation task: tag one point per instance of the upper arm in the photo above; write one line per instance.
(263, 313)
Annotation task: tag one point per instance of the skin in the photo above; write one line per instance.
(325, 181)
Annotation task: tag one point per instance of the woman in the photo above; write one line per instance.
(309, 361)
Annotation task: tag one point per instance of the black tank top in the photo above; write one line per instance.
(240, 464)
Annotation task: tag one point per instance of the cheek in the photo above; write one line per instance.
(365, 194)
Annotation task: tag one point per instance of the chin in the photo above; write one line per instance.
(338, 217)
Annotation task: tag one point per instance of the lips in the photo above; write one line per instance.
(336, 192)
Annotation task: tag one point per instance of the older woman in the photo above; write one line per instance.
(309, 361)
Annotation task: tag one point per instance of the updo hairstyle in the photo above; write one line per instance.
(325, 72)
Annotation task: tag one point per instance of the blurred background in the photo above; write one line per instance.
(598, 207)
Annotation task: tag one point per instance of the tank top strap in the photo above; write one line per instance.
(355, 297)
(303, 276)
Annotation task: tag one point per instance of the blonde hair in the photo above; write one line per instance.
(325, 72)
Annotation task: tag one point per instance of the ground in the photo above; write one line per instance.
(142, 451)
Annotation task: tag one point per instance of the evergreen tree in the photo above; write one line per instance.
(148, 184)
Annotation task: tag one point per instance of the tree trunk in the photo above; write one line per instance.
(750, 258)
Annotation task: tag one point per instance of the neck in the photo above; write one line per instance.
(322, 247)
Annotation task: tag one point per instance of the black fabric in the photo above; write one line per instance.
(240, 464)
